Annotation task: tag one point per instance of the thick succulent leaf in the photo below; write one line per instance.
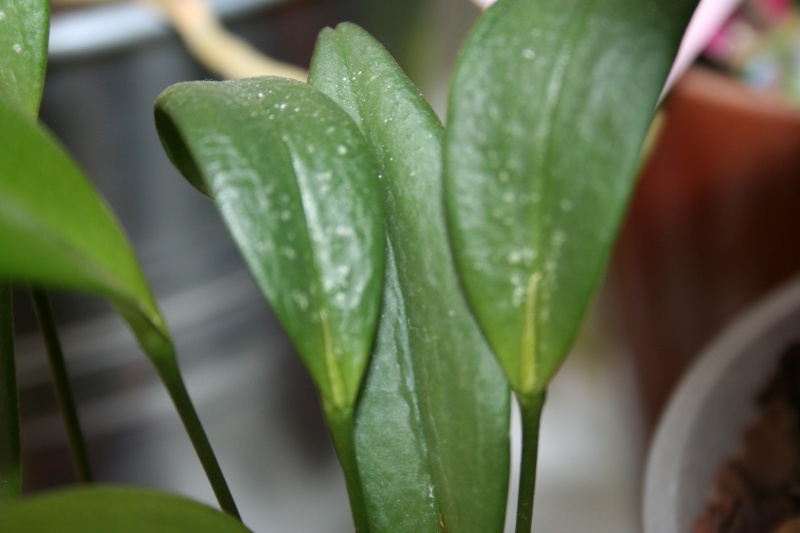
(549, 105)
(10, 458)
(55, 229)
(298, 189)
(432, 424)
(394, 460)
(117, 509)
(24, 28)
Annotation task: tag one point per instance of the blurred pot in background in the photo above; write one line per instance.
(713, 225)
(723, 414)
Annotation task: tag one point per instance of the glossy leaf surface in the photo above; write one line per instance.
(298, 188)
(117, 509)
(550, 102)
(432, 425)
(24, 28)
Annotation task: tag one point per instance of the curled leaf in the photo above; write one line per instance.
(298, 188)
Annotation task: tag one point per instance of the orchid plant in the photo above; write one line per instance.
(424, 272)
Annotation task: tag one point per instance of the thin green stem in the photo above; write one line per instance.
(170, 375)
(66, 400)
(10, 450)
(531, 410)
(342, 428)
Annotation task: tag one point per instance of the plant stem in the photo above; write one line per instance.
(342, 428)
(171, 376)
(10, 456)
(66, 400)
(531, 410)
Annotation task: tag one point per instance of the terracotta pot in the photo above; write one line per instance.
(713, 226)
(714, 403)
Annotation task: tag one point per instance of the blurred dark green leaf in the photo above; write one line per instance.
(114, 509)
(24, 28)
(10, 458)
(298, 188)
(549, 105)
(55, 229)
(432, 424)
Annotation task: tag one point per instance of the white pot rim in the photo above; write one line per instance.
(711, 406)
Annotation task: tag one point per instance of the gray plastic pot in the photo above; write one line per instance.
(710, 409)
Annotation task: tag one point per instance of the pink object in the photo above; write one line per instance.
(708, 18)
(775, 9)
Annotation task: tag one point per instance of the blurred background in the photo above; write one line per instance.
(713, 226)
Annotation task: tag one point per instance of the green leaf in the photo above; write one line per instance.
(10, 456)
(117, 509)
(55, 230)
(549, 105)
(24, 28)
(298, 189)
(432, 423)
